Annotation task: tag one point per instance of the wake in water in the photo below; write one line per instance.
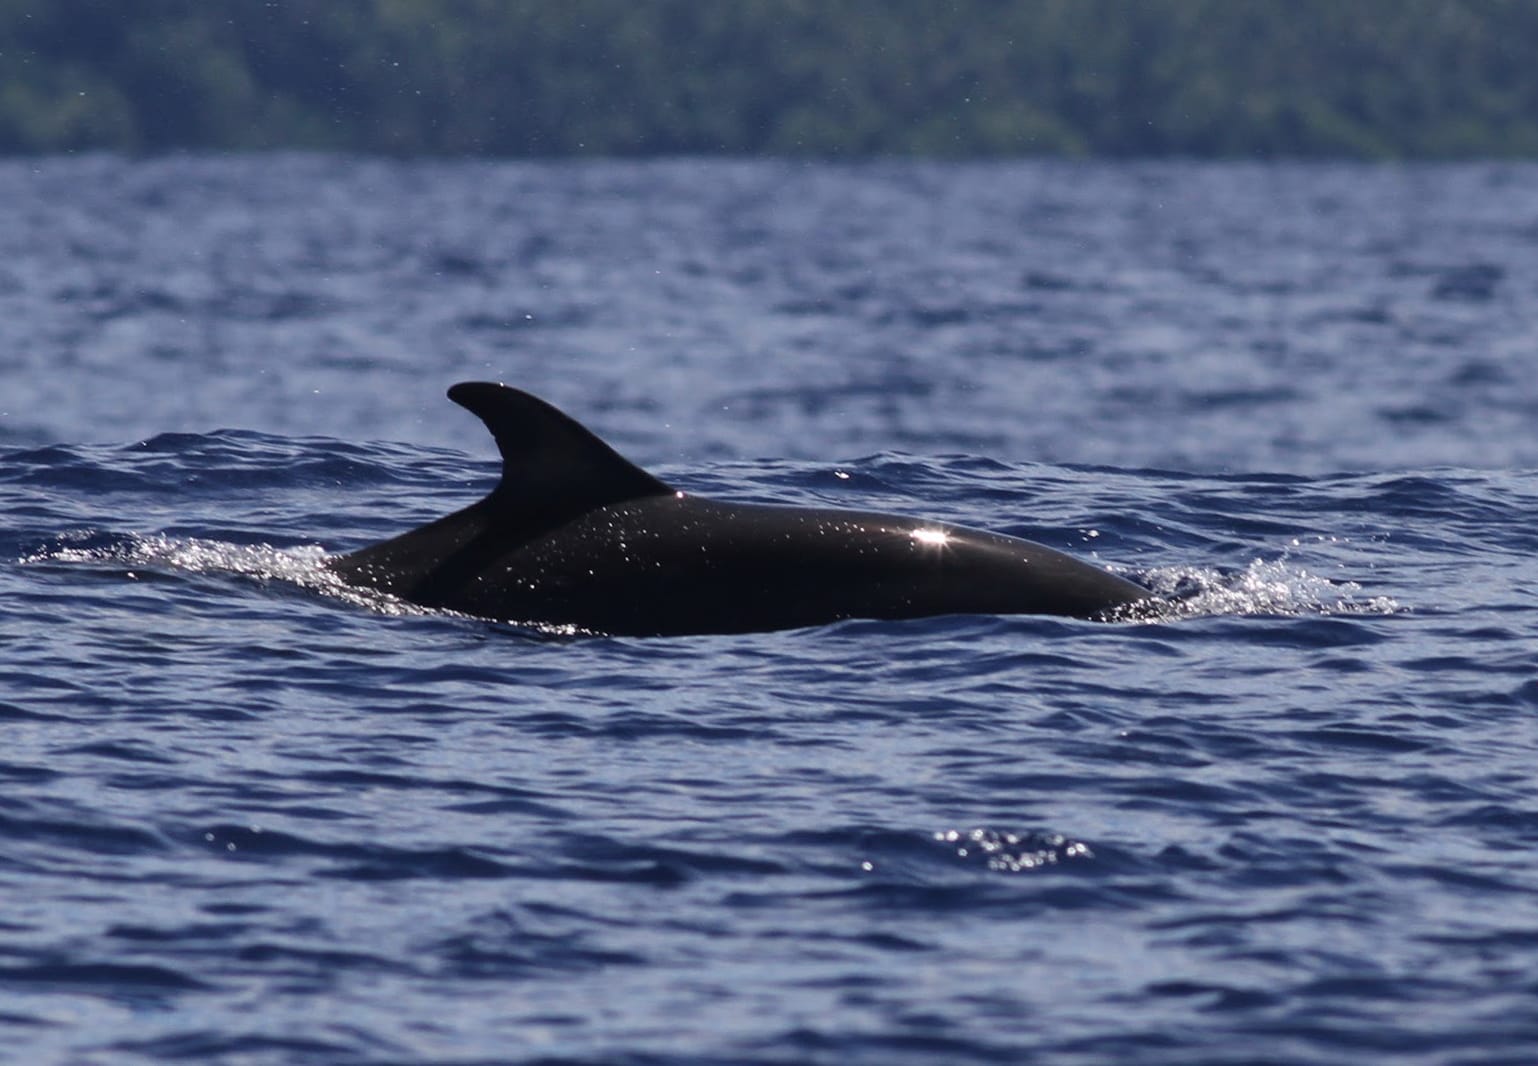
(130, 553)
(303, 567)
(1275, 587)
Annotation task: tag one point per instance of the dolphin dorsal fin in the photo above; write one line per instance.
(553, 468)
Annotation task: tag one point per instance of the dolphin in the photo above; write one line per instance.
(576, 537)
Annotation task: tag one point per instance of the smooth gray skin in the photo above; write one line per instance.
(575, 535)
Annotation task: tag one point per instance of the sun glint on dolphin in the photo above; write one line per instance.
(576, 535)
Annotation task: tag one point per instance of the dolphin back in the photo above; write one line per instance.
(575, 534)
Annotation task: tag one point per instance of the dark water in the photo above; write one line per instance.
(248, 819)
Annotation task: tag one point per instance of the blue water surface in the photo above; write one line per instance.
(249, 816)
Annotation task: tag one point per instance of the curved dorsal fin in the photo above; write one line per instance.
(553, 468)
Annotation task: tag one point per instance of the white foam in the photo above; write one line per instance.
(1271, 587)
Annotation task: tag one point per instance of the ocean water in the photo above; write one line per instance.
(249, 818)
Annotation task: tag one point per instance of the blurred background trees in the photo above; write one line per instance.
(828, 78)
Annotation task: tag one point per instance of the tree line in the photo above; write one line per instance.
(823, 78)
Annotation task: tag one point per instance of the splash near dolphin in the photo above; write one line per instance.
(575, 535)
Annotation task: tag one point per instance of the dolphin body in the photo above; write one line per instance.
(574, 535)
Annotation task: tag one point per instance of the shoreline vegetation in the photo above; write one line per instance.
(1368, 79)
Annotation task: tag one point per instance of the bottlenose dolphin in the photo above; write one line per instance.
(574, 535)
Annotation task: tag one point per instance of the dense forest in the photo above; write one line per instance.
(1355, 78)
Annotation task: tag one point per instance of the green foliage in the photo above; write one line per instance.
(1362, 78)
